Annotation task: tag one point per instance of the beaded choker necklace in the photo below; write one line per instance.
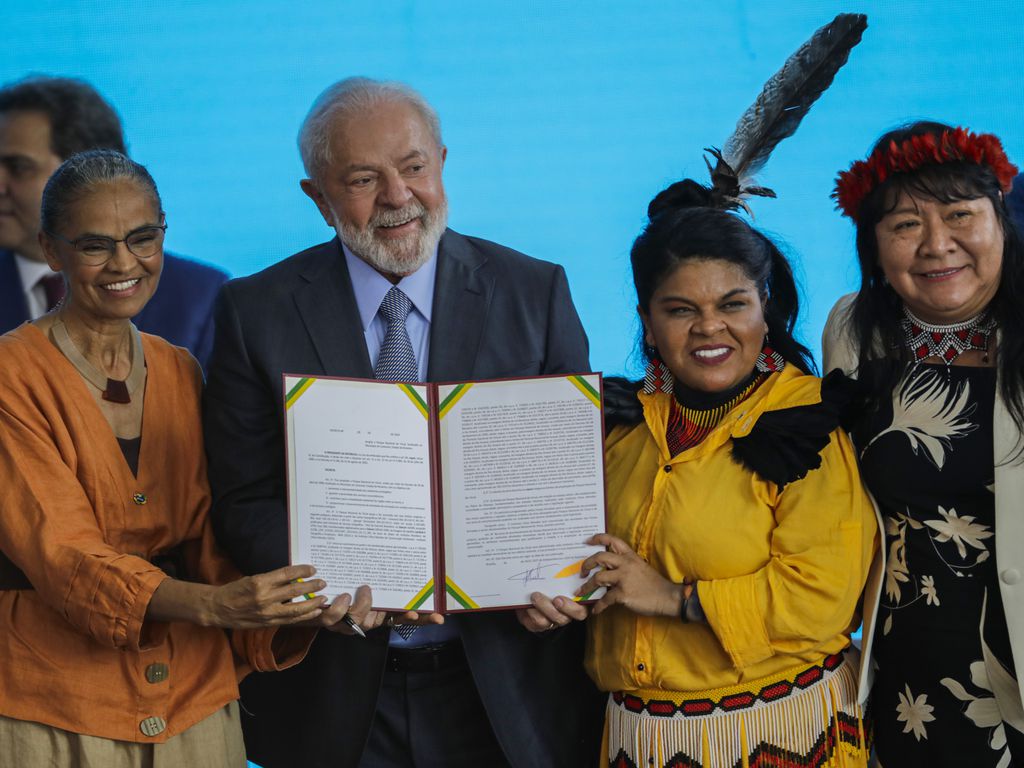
(946, 342)
(695, 414)
(113, 390)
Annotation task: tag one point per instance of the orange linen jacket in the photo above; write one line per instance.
(77, 652)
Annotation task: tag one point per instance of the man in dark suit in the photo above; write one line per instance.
(479, 690)
(43, 121)
(1015, 203)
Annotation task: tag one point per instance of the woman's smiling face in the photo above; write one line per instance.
(944, 260)
(120, 288)
(706, 319)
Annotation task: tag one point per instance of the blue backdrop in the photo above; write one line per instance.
(562, 119)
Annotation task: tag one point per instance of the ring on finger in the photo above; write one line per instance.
(389, 622)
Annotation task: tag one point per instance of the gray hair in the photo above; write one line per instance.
(80, 173)
(343, 100)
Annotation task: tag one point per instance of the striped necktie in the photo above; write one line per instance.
(397, 362)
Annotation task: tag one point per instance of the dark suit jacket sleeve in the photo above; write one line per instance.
(243, 443)
(567, 348)
(181, 310)
(204, 341)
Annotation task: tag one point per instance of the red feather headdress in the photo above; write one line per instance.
(951, 145)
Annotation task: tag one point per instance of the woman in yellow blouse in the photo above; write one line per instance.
(739, 535)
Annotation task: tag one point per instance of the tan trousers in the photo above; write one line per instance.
(214, 742)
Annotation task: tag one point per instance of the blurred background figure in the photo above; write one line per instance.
(1015, 202)
(43, 121)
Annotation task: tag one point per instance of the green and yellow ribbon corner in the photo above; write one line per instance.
(421, 596)
(586, 388)
(298, 391)
(457, 594)
(453, 397)
(414, 396)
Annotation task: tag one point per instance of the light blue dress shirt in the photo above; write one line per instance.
(370, 288)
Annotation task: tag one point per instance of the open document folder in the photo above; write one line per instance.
(445, 497)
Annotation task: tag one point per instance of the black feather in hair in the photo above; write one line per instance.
(778, 110)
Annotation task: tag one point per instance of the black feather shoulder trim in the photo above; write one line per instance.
(786, 444)
(621, 406)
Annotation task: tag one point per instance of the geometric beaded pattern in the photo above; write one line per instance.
(946, 342)
(803, 718)
(688, 427)
(774, 691)
(769, 361)
(820, 755)
(657, 377)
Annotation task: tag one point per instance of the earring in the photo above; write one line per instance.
(657, 378)
(769, 361)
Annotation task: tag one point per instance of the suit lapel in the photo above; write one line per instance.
(462, 296)
(327, 304)
(13, 308)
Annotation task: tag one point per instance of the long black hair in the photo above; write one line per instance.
(877, 309)
(682, 226)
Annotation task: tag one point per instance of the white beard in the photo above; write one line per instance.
(396, 257)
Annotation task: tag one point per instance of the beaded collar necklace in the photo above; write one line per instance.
(946, 342)
(694, 415)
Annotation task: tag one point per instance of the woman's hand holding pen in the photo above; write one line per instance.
(251, 602)
(630, 581)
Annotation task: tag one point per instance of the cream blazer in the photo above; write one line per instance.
(839, 350)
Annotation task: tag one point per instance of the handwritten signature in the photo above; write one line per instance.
(531, 574)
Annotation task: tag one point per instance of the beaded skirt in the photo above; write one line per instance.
(803, 718)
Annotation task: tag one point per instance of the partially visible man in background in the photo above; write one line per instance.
(1015, 202)
(43, 121)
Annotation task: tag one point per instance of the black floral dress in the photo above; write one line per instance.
(941, 645)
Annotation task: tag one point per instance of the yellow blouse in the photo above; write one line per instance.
(780, 572)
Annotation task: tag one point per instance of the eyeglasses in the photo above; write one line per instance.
(96, 250)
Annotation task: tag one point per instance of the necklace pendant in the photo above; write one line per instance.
(116, 392)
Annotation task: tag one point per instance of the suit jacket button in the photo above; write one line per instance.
(1010, 576)
(156, 673)
(153, 726)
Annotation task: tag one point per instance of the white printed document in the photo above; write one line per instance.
(445, 497)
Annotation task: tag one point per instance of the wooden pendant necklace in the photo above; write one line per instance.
(113, 390)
